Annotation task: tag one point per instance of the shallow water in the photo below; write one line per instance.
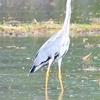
(81, 79)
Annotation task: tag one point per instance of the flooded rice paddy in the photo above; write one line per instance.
(81, 77)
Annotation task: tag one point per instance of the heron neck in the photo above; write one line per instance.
(66, 25)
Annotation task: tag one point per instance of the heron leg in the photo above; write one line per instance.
(47, 75)
(59, 73)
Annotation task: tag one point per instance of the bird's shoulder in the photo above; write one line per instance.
(54, 48)
(50, 46)
(54, 40)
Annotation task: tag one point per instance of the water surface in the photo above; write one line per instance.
(81, 79)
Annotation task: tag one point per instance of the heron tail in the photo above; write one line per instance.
(34, 68)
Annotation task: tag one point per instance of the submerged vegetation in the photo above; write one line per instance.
(15, 28)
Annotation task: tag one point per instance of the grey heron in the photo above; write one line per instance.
(54, 49)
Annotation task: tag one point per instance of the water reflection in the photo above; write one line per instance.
(46, 95)
(59, 96)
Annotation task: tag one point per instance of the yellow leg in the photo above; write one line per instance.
(59, 74)
(47, 75)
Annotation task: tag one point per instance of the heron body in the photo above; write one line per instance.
(54, 48)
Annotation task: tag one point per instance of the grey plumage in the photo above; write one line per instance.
(55, 47)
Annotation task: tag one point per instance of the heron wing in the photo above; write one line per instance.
(54, 48)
